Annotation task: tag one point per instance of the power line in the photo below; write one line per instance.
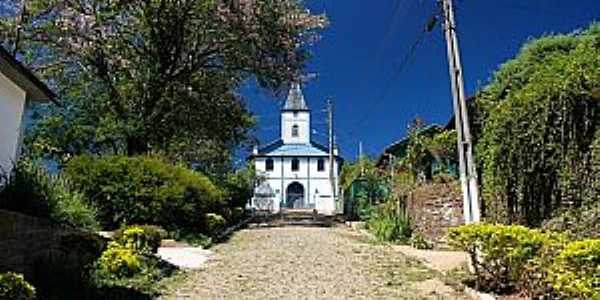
(401, 67)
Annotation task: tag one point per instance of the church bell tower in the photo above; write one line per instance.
(295, 117)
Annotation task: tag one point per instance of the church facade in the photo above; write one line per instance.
(294, 171)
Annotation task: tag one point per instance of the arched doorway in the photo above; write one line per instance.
(294, 195)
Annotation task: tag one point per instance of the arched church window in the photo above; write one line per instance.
(321, 165)
(295, 130)
(295, 165)
(269, 165)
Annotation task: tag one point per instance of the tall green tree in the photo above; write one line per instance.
(141, 76)
(540, 120)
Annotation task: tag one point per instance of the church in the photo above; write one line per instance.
(294, 171)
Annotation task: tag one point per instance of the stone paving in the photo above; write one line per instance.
(310, 263)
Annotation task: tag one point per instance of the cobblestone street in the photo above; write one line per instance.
(310, 263)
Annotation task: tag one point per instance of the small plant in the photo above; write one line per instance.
(214, 222)
(575, 272)
(119, 261)
(14, 287)
(420, 242)
(141, 238)
(389, 225)
(30, 190)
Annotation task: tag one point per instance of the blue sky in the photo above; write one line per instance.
(360, 62)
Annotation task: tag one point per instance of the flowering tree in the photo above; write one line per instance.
(158, 75)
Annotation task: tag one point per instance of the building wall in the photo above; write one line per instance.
(317, 187)
(12, 106)
(289, 119)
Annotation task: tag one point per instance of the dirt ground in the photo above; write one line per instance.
(310, 263)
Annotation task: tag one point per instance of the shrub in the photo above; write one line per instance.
(388, 225)
(580, 223)
(14, 287)
(31, 190)
(499, 252)
(214, 222)
(420, 242)
(119, 261)
(575, 272)
(144, 190)
(140, 238)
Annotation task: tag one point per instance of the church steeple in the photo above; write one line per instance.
(295, 117)
(295, 100)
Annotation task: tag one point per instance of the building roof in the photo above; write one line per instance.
(15, 71)
(279, 149)
(295, 100)
(398, 148)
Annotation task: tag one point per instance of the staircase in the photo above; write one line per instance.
(292, 217)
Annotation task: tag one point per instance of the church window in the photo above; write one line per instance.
(295, 165)
(321, 165)
(295, 130)
(269, 165)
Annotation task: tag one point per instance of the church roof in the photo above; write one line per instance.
(295, 100)
(278, 148)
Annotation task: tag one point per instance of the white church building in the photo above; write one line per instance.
(294, 171)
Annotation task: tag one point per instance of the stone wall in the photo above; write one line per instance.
(434, 208)
(24, 239)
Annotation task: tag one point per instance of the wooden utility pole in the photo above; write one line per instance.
(468, 173)
(331, 146)
(19, 28)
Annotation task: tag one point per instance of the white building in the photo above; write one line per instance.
(294, 169)
(18, 87)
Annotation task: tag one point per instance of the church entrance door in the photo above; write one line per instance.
(295, 196)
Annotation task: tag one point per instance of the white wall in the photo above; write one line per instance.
(289, 119)
(317, 187)
(12, 106)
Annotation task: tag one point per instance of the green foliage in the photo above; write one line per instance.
(580, 223)
(214, 222)
(387, 224)
(140, 238)
(540, 120)
(239, 186)
(32, 191)
(159, 76)
(14, 287)
(120, 261)
(420, 242)
(500, 252)
(575, 272)
(144, 190)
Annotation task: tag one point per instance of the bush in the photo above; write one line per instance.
(14, 287)
(144, 190)
(575, 272)
(500, 252)
(388, 225)
(141, 238)
(31, 190)
(120, 261)
(214, 222)
(580, 223)
(420, 242)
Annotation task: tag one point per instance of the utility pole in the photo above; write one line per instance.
(19, 28)
(331, 145)
(360, 157)
(468, 173)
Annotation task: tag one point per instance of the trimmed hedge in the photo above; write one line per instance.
(544, 265)
(145, 190)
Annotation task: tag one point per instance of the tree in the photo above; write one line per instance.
(159, 75)
(539, 117)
